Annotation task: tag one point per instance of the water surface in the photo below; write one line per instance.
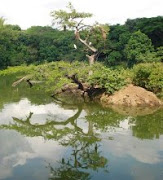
(43, 138)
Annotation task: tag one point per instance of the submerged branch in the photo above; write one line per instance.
(25, 78)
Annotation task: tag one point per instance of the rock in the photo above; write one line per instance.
(132, 96)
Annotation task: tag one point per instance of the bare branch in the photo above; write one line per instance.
(79, 25)
(25, 78)
(93, 49)
(85, 26)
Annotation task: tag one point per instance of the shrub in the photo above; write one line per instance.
(17, 70)
(149, 76)
(53, 75)
(111, 80)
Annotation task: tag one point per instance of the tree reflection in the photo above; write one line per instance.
(84, 144)
(84, 158)
(149, 126)
(66, 171)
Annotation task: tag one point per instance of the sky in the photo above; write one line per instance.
(27, 13)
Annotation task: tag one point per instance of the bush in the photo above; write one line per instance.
(149, 76)
(111, 80)
(17, 70)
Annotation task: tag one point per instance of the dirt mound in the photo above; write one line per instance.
(132, 96)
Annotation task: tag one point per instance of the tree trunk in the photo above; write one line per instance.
(91, 59)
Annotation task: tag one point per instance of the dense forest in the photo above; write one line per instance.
(138, 40)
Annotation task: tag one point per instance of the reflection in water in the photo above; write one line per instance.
(134, 111)
(14, 150)
(85, 154)
(76, 140)
(84, 157)
(85, 132)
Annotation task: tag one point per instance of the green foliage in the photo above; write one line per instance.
(104, 77)
(149, 76)
(93, 37)
(117, 40)
(152, 27)
(68, 18)
(138, 48)
(159, 53)
(17, 70)
(113, 58)
(44, 44)
(54, 75)
(8, 43)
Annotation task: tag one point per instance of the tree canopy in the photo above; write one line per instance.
(45, 44)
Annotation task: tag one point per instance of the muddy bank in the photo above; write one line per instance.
(130, 100)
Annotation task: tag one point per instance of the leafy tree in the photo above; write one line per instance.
(138, 47)
(8, 44)
(117, 40)
(92, 37)
(152, 27)
(13, 27)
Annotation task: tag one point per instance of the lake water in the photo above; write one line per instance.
(43, 138)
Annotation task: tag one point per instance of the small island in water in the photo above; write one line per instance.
(81, 101)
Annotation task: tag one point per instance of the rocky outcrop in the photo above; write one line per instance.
(132, 96)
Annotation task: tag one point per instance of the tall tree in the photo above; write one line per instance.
(93, 37)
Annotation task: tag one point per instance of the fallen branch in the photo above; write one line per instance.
(25, 78)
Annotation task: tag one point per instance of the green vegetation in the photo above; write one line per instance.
(17, 70)
(45, 44)
(85, 154)
(138, 48)
(54, 75)
(51, 61)
(118, 48)
(93, 37)
(149, 76)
